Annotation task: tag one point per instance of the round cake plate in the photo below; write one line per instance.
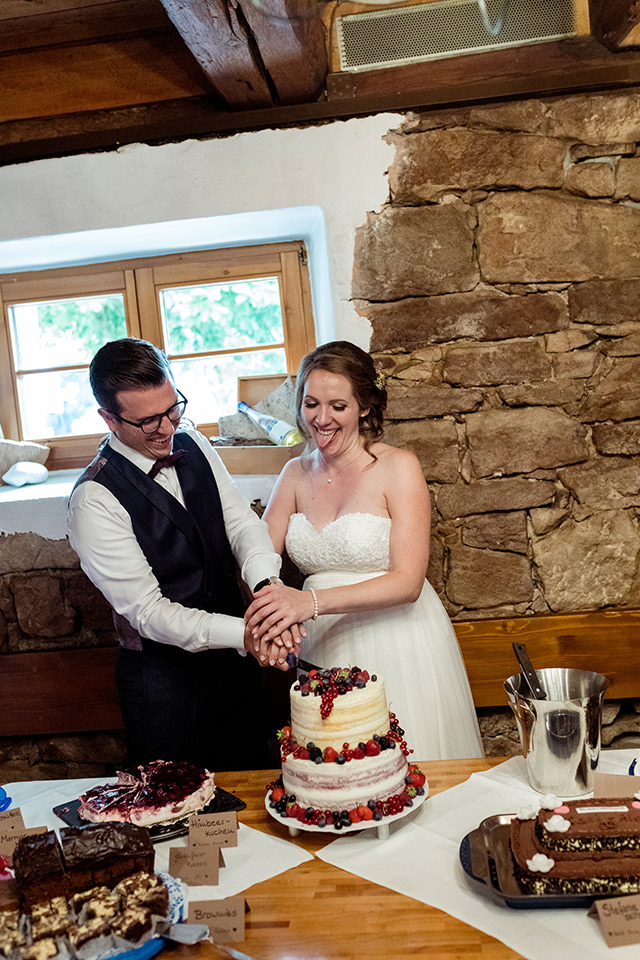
(382, 826)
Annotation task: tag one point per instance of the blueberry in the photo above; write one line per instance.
(296, 686)
(362, 745)
(322, 822)
(337, 825)
(409, 802)
(355, 670)
(371, 804)
(309, 813)
(310, 745)
(373, 678)
(408, 780)
(305, 693)
(318, 759)
(420, 791)
(341, 758)
(377, 815)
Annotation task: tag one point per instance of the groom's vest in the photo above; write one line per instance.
(187, 549)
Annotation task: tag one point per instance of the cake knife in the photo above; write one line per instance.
(294, 661)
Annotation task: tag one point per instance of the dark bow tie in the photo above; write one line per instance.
(169, 461)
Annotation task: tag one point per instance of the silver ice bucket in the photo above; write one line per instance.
(560, 735)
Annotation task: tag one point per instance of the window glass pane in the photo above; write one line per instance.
(211, 384)
(60, 333)
(222, 316)
(58, 404)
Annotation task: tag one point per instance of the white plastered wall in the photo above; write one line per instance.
(316, 183)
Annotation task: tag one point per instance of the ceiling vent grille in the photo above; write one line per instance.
(429, 31)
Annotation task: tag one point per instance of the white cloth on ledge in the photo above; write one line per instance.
(421, 860)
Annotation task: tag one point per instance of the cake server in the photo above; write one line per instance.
(531, 676)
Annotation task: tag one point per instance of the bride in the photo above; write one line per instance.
(354, 516)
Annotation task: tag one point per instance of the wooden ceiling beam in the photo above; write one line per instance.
(216, 34)
(252, 59)
(576, 65)
(616, 23)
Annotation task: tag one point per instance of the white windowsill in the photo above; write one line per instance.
(42, 507)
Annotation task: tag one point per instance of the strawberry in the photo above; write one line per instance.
(417, 777)
(277, 794)
(372, 749)
(365, 813)
(330, 755)
(293, 809)
(284, 733)
(354, 816)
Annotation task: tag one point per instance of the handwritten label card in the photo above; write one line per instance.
(615, 785)
(198, 865)
(619, 918)
(220, 829)
(11, 828)
(225, 918)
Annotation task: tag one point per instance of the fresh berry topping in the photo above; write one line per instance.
(330, 755)
(372, 748)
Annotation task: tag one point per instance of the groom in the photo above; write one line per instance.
(159, 526)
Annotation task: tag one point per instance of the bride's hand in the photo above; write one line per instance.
(277, 608)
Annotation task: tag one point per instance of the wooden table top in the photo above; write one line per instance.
(318, 911)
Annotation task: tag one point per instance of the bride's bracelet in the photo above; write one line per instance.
(315, 603)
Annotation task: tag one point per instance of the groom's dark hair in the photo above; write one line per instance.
(126, 364)
(346, 359)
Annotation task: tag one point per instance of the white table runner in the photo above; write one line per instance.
(421, 859)
(257, 857)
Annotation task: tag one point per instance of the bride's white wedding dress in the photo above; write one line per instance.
(413, 645)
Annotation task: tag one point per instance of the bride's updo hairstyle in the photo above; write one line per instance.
(347, 360)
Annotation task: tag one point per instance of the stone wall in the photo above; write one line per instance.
(47, 603)
(502, 283)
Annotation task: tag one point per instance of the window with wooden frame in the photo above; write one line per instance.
(218, 315)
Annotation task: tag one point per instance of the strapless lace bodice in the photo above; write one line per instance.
(355, 541)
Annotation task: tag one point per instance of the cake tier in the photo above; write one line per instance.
(332, 786)
(593, 824)
(584, 846)
(354, 717)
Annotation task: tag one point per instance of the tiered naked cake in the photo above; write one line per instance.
(578, 846)
(344, 757)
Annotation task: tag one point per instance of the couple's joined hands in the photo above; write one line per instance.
(274, 623)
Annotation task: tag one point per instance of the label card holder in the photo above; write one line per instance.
(225, 918)
(196, 865)
(220, 829)
(619, 919)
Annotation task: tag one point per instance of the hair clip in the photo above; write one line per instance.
(379, 381)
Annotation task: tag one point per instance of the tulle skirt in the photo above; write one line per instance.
(414, 647)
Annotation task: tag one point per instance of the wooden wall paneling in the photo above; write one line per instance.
(605, 641)
(26, 24)
(54, 81)
(580, 63)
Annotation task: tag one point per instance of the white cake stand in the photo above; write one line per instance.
(382, 826)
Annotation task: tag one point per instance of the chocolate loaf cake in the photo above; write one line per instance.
(578, 846)
(100, 854)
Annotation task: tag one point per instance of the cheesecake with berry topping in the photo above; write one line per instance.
(343, 753)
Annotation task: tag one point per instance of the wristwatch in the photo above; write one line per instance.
(266, 582)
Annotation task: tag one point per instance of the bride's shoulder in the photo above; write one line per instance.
(392, 457)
